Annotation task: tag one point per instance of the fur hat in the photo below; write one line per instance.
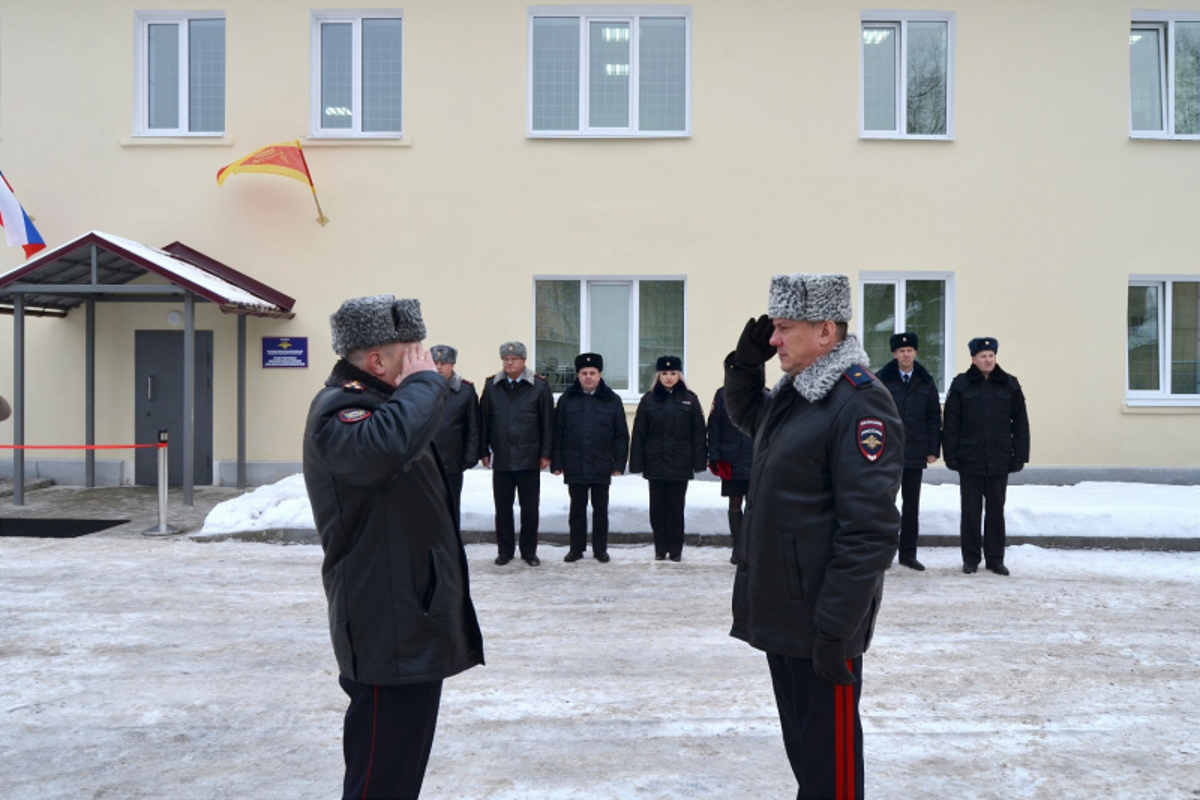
(366, 322)
(669, 364)
(444, 353)
(814, 298)
(589, 360)
(905, 339)
(983, 343)
(512, 349)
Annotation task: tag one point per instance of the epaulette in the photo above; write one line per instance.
(539, 377)
(467, 382)
(858, 376)
(354, 387)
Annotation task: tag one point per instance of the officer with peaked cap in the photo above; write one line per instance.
(392, 546)
(516, 434)
(821, 521)
(986, 437)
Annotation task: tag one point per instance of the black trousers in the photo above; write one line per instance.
(910, 511)
(666, 516)
(456, 482)
(525, 484)
(974, 490)
(822, 732)
(577, 520)
(388, 736)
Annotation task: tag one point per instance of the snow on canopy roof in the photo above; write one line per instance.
(121, 260)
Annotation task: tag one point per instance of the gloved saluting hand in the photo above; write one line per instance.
(755, 346)
(829, 659)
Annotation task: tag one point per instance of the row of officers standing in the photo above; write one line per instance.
(516, 430)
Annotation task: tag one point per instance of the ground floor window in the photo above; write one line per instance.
(629, 321)
(919, 303)
(1163, 341)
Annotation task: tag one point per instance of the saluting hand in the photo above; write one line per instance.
(754, 347)
(415, 359)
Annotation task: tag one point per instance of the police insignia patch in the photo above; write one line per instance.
(871, 438)
(353, 415)
(353, 386)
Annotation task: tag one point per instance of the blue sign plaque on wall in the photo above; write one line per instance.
(284, 351)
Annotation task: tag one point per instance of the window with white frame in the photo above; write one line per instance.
(628, 321)
(609, 71)
(1163, 341)
(907, 69)
(919, 303)
(1164, 76)
(180, 74)
(356, 73)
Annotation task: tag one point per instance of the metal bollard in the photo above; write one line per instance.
(162, 529)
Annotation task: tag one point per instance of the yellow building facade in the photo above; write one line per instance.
(627, 178)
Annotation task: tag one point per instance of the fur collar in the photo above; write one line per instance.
(526, 376)
(976, 374)
(891, 372)
(454, 381)
(344, 372)
(602, 391)
(822, 375)
(663, 393)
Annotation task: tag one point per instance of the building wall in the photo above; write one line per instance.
(1042, 207)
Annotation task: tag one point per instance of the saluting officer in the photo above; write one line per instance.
(591, 443)
(458, 439)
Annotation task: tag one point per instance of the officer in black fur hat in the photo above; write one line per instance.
(591, 443)
(458, 438)
(916, 396)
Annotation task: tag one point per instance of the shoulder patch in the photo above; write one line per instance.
(353, 414)
(872, 437)
(858, 376)
(354, 387)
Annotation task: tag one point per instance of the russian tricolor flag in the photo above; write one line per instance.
(18, 230)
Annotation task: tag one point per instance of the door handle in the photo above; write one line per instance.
(150, 388)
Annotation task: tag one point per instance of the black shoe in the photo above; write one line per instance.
(970, 569)
(572, 556)
(999, 569)
(532, 561)
(602, 557)
(502, 560)
(912, 563)
(659, 557)
(675, 558)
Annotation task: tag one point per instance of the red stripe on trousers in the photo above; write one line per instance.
(844, 733)
(371, 758)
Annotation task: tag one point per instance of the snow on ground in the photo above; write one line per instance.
(1086, 509)
(149, 668)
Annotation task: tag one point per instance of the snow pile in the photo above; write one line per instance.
(282, 505)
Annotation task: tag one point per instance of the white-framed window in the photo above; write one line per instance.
(906, 60)
(179, 73)
(357, 71)
(919, 302)
(1163, 341)
(1164, 75)
(628, 321)
(597, 71)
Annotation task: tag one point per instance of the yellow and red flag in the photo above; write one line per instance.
(283, 158)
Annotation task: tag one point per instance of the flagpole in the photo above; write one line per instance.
(321, 218)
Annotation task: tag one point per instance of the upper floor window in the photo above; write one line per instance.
(1163, 338)
(180, 74)
(629, 321)
(1164, 77)
(609, 71)
(356, 73)
(907, 68)
(916, 302)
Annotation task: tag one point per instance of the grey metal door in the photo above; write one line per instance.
(158, 368)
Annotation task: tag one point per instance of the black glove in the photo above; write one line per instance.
(829, 659)
(1016, 466)
(754, 347)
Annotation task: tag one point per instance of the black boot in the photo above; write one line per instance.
(735, 526)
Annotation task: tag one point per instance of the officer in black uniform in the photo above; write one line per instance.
(458, 438)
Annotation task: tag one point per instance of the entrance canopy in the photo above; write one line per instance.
(102, 267)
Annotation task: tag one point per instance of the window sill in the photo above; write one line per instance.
(176, 141)
(591, 135)
(1162, 137)
(355, 141)
(897, 137)
(1163, 407)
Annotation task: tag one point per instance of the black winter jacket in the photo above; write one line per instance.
(668, 435)
(920, 411)
(395, 571)
(591, 436)
(458, 438)
(821, 523)
(517, 422)
(726, 442)
(987, 427)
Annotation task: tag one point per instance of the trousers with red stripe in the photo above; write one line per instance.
(822, 732)
(388, 736)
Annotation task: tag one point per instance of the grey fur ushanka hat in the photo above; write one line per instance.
(444, 353)
(809, 297)
(365, 322)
